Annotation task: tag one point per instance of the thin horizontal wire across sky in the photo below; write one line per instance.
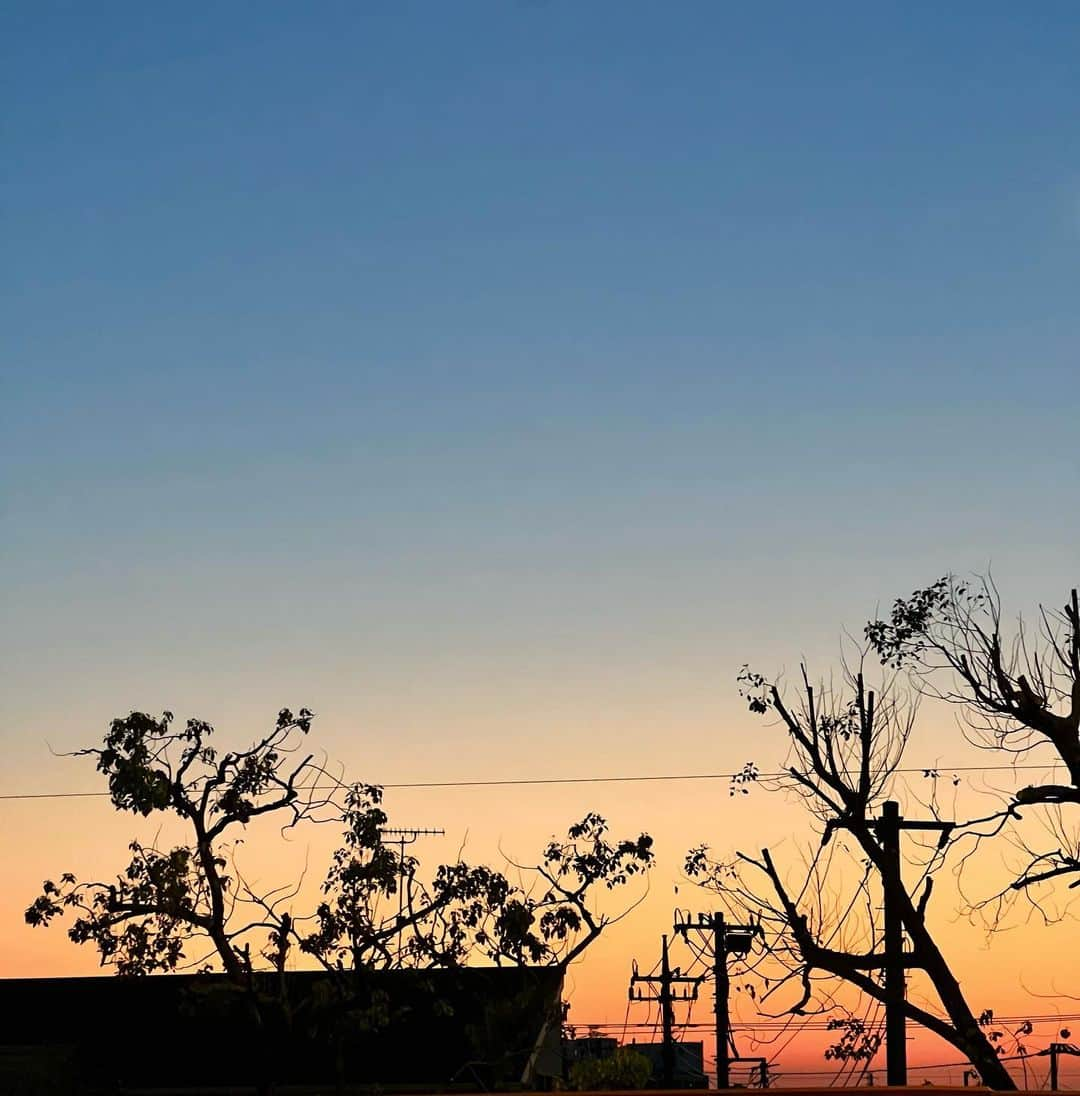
(939, 769)
(804, 1025)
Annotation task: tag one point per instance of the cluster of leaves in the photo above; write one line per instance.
(1017, 691)
(741, 780)
(588, 857)
(139, 923)
(855, 1044)
(755, 689)
(914, 621)
(699, 865)
(999, 1038)
(625, 1069)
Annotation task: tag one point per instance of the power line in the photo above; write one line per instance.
(931, 1065)
(538, 781)
(822, 1025)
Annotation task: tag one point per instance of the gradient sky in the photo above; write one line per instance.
(495, 379)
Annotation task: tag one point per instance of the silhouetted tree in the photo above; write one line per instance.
(168, 899)
(1017, 693)
(376, 912)
(464, 910)
(823, 930)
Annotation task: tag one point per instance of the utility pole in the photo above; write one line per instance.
(888, 828)
(895, 1022)
(402, 837)
(666, 998)
(727, 940)
(1053, 1050)
(722, 991)
(667, 1010)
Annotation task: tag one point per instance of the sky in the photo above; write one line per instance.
(496, 379)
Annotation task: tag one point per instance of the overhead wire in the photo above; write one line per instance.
(822, 1025)
(597, 779)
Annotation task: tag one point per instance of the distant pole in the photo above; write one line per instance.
(668, 1014)
(666, 997)
(1053, 1067)
(895, 1023)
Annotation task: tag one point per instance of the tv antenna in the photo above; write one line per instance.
(402, 836)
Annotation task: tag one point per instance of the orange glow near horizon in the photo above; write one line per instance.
(1026, 971)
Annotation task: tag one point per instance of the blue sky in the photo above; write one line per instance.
(520, 356)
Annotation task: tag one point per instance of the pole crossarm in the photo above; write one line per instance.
(671, 980)
(1053, 1051)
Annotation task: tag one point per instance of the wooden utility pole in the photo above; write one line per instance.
(721, 1007)
(895, 1022)
(888, 828)
(727, 940)
(666, 998)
